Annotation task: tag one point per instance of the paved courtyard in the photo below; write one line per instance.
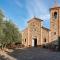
(32, 54)
(35, 54)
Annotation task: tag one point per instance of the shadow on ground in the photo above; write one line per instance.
(3, 58)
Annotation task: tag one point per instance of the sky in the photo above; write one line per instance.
(21, 11)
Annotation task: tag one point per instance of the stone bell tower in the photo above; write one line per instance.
(55, 21)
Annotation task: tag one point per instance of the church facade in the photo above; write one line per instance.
(36, 34)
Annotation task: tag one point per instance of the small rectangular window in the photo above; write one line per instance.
(45, 40)
(54, 33)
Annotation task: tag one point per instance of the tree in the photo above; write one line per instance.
(12, 34)
(1, 27)
(9, 32)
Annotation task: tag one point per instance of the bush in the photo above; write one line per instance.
(58, 43)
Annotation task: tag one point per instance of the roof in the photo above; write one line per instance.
(56, 5)
(35, 19)
(54, 8)
(45, 28)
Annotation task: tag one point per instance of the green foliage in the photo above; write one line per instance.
(9, 33)
(1, 27)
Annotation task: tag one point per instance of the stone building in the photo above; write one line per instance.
(36, 35)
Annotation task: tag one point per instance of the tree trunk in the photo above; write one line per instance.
(2, 47)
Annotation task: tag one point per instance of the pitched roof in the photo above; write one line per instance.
(35, 19)
(45, 28)
(54, 8)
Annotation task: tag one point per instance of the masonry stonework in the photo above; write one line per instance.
(55, 23)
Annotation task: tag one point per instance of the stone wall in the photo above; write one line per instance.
(45, 35)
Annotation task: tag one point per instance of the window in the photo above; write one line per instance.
(55, 15)
(45, 40)
(54, 33)
(25, 40)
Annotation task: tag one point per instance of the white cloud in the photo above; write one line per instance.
(37, 8)
(18, 3)
(45, 17)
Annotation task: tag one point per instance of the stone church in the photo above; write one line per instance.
(36, 34)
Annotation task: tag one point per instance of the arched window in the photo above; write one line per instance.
(55, 15)
(54, 33)
(45, 40)
(25, 40)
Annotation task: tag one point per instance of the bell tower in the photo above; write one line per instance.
(55, 21)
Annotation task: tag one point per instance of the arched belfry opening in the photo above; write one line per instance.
(55, 15)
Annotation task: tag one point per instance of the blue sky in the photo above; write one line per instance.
(20, 11)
